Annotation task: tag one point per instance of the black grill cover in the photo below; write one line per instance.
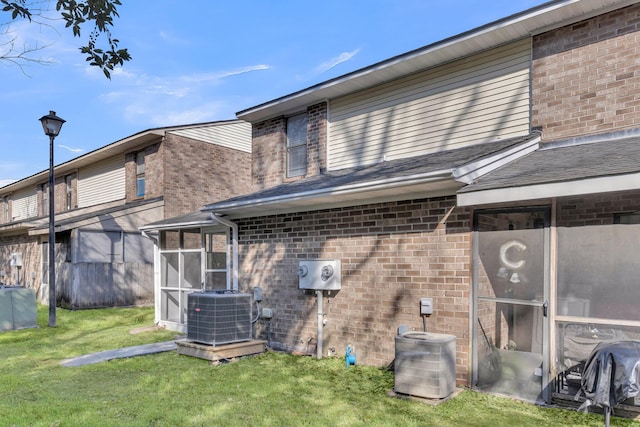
(611, 374)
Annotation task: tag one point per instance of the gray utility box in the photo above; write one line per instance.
(17, 308)
(320, 274)
(218, 317)
(425, 364)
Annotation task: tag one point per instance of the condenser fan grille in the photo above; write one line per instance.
(218, 317)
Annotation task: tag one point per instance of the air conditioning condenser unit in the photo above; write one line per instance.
(218, 317)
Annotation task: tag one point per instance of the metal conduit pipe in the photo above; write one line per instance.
(319, 294)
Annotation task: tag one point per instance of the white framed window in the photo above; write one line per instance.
(68, 180)
(44, 188)
(218, 261)
(297, 145)
(140, 169)
(181, 272)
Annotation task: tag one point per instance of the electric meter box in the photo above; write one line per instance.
(16, 259)
(426, 306)
(320, 274)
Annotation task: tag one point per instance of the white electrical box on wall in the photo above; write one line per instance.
(426, 306)
(16, 259)
(320, 274)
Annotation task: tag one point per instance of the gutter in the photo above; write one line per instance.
(154, 237)
(173, 226)
(382, 184)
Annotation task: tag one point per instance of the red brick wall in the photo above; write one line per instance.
(269, 148)
(60, 194)
(316, 139)
(596, 209)
(5, 209)
(153, 172)
(586, 76)
(392, 254)
(198, 173)
(269, 151)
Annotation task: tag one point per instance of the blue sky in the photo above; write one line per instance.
(202, 60)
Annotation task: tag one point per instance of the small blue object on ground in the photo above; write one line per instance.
(350, 356)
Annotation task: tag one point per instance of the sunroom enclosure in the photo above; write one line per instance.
(511, 288)
(598, 289)
(189, 260)
(548, 289)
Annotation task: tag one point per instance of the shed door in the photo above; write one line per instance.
(510, 304)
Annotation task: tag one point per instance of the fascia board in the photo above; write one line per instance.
(597, 185)
(470, 172)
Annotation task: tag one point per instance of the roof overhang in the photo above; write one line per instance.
(18, 228)
(603, 184)
(386, 182)
(405, 188)
(92, 216)
(131, 143)
(533, 21)
(194, 220)
(128, 144)
(471, 171)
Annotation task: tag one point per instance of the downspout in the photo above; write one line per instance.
(234, 246)
(155, 238)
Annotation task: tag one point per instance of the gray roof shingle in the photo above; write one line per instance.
(433, 162)
(561, 162)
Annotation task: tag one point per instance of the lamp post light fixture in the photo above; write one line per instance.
(51, 125)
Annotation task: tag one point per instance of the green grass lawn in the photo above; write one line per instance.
(168, 389)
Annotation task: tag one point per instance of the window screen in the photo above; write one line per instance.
(69, 194)
(140, 170)
(598, 271)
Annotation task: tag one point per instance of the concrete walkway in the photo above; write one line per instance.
(103, 356)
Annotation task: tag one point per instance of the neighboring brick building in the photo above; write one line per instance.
(495, 172)
(101, 199)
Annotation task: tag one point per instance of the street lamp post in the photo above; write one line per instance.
(51, 125)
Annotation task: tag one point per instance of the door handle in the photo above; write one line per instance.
(545, 309)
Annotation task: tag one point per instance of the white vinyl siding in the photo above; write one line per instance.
(101, 182)
(25, 204)
(472, 100)
(236, 135)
